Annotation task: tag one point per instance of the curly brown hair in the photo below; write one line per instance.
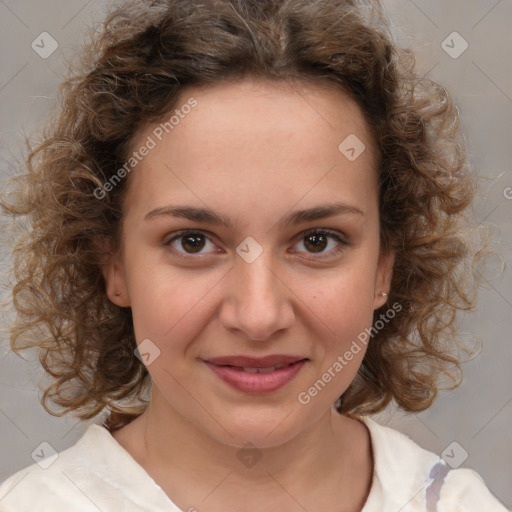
(130, 73)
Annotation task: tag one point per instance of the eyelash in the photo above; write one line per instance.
(319, 231)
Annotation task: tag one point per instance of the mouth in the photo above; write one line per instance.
(267, 369)
(256, 376)
(270, 361)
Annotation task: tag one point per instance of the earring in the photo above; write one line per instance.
(384, 294)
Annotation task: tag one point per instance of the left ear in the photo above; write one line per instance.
(383, 277)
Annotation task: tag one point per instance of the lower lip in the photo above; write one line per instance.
(256, 383)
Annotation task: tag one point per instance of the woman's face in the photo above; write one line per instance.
(232, 247)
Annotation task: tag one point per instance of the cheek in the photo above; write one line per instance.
(166, 306)
(346, 306)
(344, 302)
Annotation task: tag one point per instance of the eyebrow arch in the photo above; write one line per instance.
(209, 216)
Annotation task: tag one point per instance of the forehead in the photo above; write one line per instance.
(255, 132)
(267, 109)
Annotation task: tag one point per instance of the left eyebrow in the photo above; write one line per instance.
(297, 217)
(320, 212)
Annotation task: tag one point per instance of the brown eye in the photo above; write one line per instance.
(315, 242)
(323, 242)
(191, 242)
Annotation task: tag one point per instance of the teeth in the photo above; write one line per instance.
(250, 370)
(263, 370)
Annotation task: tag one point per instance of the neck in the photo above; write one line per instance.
(333, 452)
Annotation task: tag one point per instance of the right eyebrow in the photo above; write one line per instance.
(190, 213)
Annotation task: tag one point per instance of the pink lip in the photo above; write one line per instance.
(257, 383)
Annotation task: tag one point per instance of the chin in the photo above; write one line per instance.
(262, 428)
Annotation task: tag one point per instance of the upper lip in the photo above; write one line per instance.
(255, 362)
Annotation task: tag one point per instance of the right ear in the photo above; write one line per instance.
(115, 282)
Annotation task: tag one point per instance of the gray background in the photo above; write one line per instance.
(478, 414)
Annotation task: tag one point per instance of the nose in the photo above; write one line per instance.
(257, 300)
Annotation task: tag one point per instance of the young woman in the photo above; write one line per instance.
(245, 237)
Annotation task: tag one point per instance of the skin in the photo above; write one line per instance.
(252, 151)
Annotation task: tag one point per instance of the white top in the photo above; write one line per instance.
(98, 474)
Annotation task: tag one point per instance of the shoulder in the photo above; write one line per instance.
(466, 491)
(409, 478)
(95, 473)
(58, 479)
